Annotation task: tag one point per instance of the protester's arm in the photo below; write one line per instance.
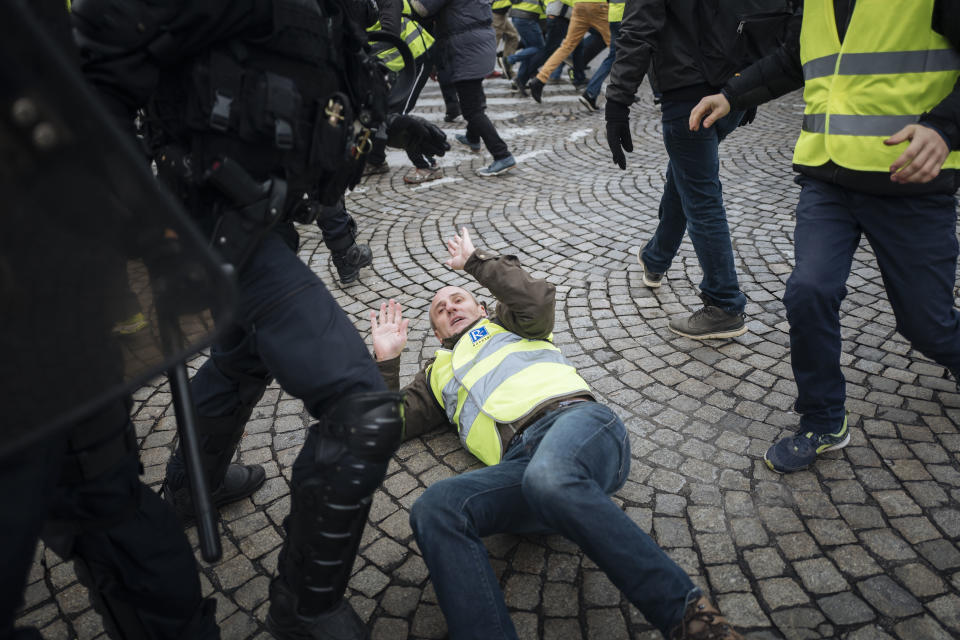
(421, 412)
(772, 76)
(636, 44)
(390, 11)
(525, 304)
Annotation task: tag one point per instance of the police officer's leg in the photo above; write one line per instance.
(310, 346)
(27, 479)
(129, 549)
(343, 461)
(225, 390)
(339, 234)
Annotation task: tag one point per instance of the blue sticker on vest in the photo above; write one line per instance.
(478, 334)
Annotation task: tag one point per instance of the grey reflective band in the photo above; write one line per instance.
(859, 64)
(868, 125)
(450, 389)
(513, 364)
(617, 1)
(814, 122)
(845, 125)
(820, 67)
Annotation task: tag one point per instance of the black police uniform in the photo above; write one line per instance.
(258, 112)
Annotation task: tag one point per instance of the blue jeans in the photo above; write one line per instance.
(532, 37)
(692, 201)
(554, 479)
(915, 241)
(596, 82)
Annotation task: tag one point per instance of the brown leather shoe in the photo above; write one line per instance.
(703, 621)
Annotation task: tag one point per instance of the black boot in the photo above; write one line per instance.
(240, 481)
(339, 623)
(349, 261)
(536, 89)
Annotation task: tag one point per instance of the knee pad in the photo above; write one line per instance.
(352, 446)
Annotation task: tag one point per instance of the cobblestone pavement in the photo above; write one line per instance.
(864, 546)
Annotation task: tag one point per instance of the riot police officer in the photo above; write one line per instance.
(258, 112)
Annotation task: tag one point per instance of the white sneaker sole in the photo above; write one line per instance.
(716, 335)
(498, 173)
(653, 284)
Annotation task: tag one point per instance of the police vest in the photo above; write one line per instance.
(891, 68)
(414, 35)
(493, 375)
(616, 10)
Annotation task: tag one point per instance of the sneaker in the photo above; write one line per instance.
(450, 116)
(588, 101)
(241, 481)
(505, 65)
(703, 621)
(497, 167)
(349, 261)
(710, 322)
(416, 175)
(536, 89)
(650, 278)
(800, 451)
(462, 139)
(372, 169)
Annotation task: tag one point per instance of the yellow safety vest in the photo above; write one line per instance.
(500, 4)
(535, 7)
(616, 10)
(492, 375)
(891, 68)
(414, 35)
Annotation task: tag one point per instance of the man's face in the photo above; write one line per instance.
(453, 309)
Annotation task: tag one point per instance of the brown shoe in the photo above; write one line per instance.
(417, 175)
(703, 621)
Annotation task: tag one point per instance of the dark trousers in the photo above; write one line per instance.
(290, 328)
(111, 521)
(473, 103)
(915, 241)
(338, 227)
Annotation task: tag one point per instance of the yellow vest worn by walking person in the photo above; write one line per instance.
(414, 35)
(494, 376)
(890, 69)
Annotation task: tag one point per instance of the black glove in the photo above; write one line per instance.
(416, 134)
(618, 131)
(748, 116)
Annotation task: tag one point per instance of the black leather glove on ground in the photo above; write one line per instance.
(618, 131)
(416, 134)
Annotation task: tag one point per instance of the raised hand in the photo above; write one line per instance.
(461, 248)
(389, 331)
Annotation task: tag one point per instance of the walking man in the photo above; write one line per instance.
(878, 155)
(692, 199)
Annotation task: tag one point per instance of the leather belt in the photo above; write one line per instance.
(553, 406)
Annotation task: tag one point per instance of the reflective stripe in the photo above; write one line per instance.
(452, 387)
(841, 125)
(860, 64)
(820, 67)
(846, 125)
(814, 122)
(511, 365)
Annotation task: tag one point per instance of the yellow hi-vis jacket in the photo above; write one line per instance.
(414, 35)
(891, 68)
(615, 13)
(493, 375)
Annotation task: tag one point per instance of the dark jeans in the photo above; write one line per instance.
(692, 202)
(290, 328)
(596, 81)
(556, 30)
(915, 241)
(529, 30)
(554, 479)
(473, 103)
(112, 521)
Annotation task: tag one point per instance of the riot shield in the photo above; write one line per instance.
(104, 282)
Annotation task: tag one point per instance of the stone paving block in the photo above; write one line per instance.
(888, 597)
(846, 609)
